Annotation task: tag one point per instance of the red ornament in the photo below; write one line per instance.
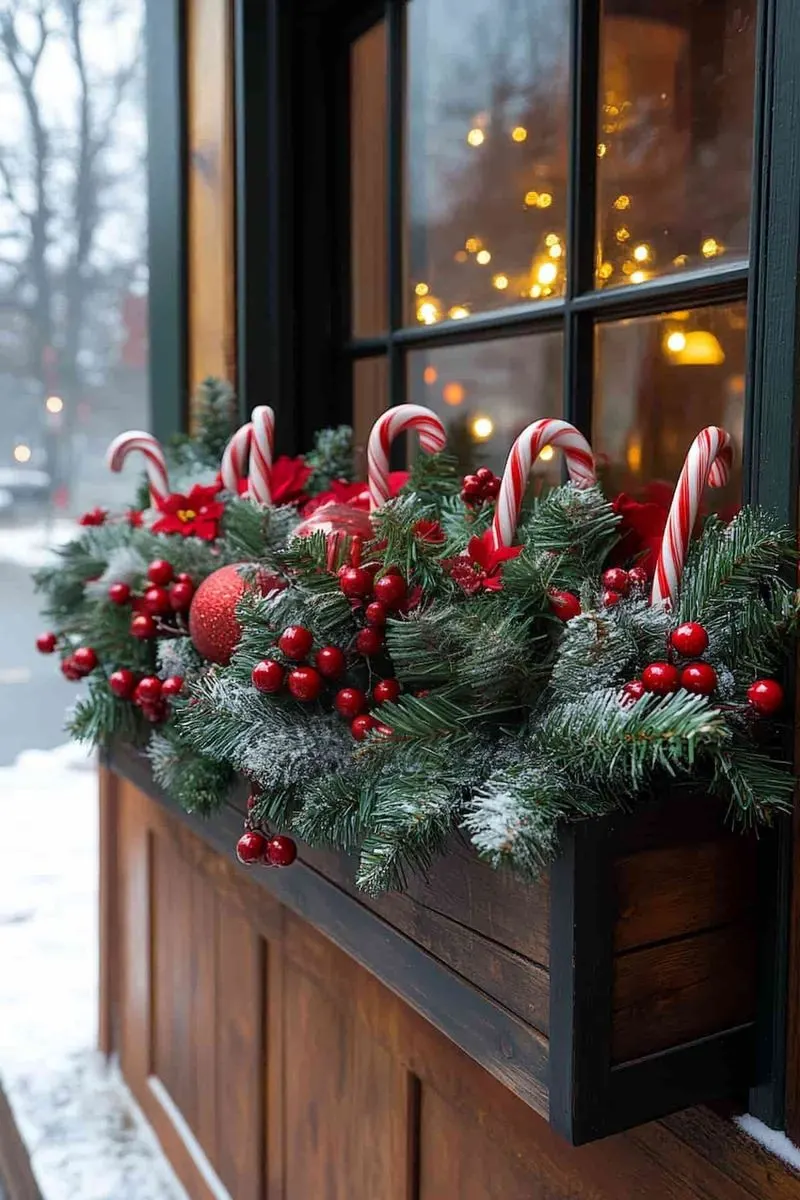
(610, 599)
(689, 639)
(154, 711)
(305, 683)
(700, 678)
(157, 602)
(391, 590)
(213, 627)
(661, 678)
(765, 696)
(160, 571)
(376, 613)
(119, 593)
(616, 580)
(143, 626)
(281, 851)
(330, 662)
(360, 726)
(483, 485)
(638, 579)
(172, 685)
(296, 641)
(181, 594)
(85, 659)
(184, 578)
(355, 582)
(46, 643)
(350, 702)
(96, 516)
(369, 641)
(148, 690)
(268, 676)
(633, 691)
(385, 689)
(564, 605)
(251, 847)
(70, 671)
(122, 683)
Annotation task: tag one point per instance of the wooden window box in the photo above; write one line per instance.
(619, 990)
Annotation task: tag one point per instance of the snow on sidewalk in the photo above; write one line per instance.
(86, 1137)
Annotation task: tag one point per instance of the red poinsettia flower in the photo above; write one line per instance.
(196, 514)
(96, 516)
(289, 477)
(481, 568)
(641, 530)
(429, 531)
(354, 494)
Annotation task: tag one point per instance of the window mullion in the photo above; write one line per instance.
(395, 19)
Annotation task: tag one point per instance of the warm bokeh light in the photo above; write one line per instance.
(472, 244)
(711, 248)
(500, 281)
(641, 252)
(634, 455)
(476, 137)
(701, 349)
(622, 202)
(535, 292)
(519, 133)
(547, 453)
(547, 273)
(676, 341)
(482, 428)
(430, 375)
(638, 276)
(458, 312)
(602, 149)
(453, 392)
(483, 257)
(622, 234)
(428, 312)
(552, 239)
(422, 289)
(545, 200)
(531, 199)
(605, 270)
(556, 250)
(54, 404)
(22, 453)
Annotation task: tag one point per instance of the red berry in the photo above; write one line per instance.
(369, 641)
(46, 643)
(180, 595)
(385, 689)
(305, 683)
(160, 571)
(610, 599)
(268, 676)
(122, 683)
(119, 593)
(154, 711)
(156, 601)
(330, 662)
(148, 690)
(355, 582)
(484, 474)
(661, 678)
(491, 488)
(700, 678)
(349, 702)
(376, 613)
(391, 590)
(70, 671)
(184, 578)
(765, 696)
(360, 726)
(143, 626)
(615, 580)
(689, 639)
(251, 847)
(85, 659)
(638, 579)
(281, 851)
(565, 605)
(296, 641)
(633, 691)
(172, 685)
(471, 487)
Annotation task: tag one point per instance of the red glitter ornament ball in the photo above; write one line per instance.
(143, 626)
(616, 580)
(281, 850)
(268, 676)
(330, 662)
(296, 641)
(251, 847)
(633, 691)
(385, 689)
(565, 605)
(85, 659)
(119, 593)
(157, 602)
(305, 683)
(160, 571)
(350, 702)
(122, 683)
(700, 678)
(355, 582)
(181, 595)
(172, 685)
(360, 726)
(661, 678)
(46, 643)
(369, 641)
(391, 590)
(376, 613)
(689, 639)
(213, 627)
(765, 696)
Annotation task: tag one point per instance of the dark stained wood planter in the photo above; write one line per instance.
(620, 989)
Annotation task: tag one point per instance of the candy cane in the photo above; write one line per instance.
(432, 438)
(523, 454)
(156, 463)
(708, 462)
(263, 424)
(234, 458)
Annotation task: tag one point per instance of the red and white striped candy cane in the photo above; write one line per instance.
(155, 460)
(235, 457)
(708, 462)
(261, 447)
(432, 438)
(526, 449)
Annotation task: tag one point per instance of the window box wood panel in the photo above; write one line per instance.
(617, 990)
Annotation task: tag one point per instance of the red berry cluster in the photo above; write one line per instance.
(254, 847)
(147, 692)
(480, 487)
(77, 665)
(167, 594)
(618, 582)
(689, 640)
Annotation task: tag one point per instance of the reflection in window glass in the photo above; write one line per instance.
(368, 181)
(370, 399)
(486, 153)
(659, 381)
(675, 135)
(486, 393)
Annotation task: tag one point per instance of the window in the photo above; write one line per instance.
(536, 234)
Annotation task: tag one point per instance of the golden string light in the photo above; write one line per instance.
(476, 137)
(483, 257)
(519, 133)
(421, 289)
(458, 312)
(500, 281)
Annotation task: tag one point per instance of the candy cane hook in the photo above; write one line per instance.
(155, 460)
(234, 458)
(526, 449)
(432, 439)
(248, 454)
(708, 462)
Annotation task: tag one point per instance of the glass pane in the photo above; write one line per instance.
(675, 136)
(659, 381)
(486, 155)
(487, 392)
(73, 307)
(370, 398)
(368, 182)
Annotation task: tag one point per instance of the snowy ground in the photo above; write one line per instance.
(84, 1133)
